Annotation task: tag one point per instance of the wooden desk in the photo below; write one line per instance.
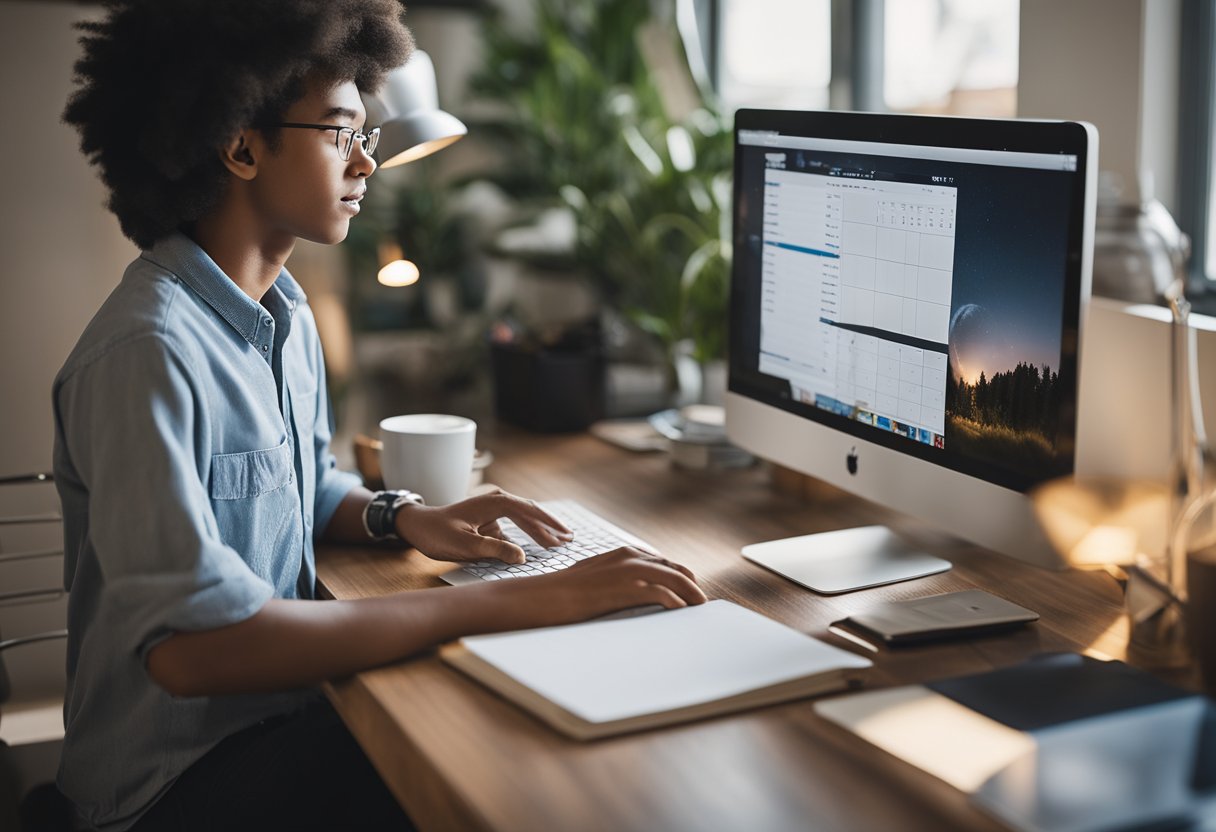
(459, 757)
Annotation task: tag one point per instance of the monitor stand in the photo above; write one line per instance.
(842, 561)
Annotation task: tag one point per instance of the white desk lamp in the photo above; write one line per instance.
(415, 126)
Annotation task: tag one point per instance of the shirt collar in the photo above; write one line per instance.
(184, 258)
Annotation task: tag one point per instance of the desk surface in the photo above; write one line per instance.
(459, 757)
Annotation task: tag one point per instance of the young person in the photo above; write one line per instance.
(192, 437)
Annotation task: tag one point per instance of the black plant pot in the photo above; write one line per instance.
(548, 390)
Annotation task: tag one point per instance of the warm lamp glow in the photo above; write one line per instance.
(399, 273)
(907, 721)
(1105, 544)
(418, 151)
(1095, 523)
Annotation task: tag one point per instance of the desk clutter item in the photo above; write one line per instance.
(698, 437)
(551, 388)
(971, 612)
(602, 678)
(1060, 743)
(636, 435)
(593, 535)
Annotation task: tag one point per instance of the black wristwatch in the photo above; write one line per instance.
(380, 514)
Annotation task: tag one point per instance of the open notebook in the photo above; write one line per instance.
(609, 677)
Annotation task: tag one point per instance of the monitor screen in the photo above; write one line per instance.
(914, 282)
(906, 304)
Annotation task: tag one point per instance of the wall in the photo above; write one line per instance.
(61, 251)
(1113, 63)
(1160, 70)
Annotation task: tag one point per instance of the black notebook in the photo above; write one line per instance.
(1055, 688)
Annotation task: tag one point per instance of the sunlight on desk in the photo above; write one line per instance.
(932, 732)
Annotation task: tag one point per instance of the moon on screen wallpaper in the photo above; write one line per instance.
(1003, 389)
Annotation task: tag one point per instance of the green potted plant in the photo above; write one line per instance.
(584, 128)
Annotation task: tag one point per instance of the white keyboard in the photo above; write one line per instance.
(593, 535)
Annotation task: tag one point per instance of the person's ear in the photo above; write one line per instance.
(238, 156)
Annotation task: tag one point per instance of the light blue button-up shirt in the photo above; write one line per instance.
(192, 458)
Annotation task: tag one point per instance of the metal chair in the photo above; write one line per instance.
(25, 803)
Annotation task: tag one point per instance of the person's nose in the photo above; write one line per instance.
(362, 162)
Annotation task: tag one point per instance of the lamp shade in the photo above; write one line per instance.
(415, 126)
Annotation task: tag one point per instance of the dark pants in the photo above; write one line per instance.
(298, 772)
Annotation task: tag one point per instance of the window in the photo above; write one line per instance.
(956, 57)
(928, 56)
(1197, 145)
(775, 53)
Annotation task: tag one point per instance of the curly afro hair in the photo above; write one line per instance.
(164, 84)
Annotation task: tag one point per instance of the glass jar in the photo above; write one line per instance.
(1135, 250)
(1193, 544)
(1156, 591)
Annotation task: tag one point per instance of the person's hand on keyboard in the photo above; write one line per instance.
(616, 580)
(469, 530)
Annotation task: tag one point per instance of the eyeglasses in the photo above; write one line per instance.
(346, 137)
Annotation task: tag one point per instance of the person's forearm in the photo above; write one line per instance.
(292, 644)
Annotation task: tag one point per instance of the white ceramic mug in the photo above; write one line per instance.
(430, 453)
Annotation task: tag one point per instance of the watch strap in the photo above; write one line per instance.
(380, 513)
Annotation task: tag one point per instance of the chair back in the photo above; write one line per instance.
(32, 607)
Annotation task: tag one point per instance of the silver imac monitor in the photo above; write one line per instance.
(907, 296)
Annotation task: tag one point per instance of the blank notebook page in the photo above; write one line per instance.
(609, 670)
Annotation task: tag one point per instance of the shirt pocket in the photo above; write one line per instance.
(257, 512)
(252, 473)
